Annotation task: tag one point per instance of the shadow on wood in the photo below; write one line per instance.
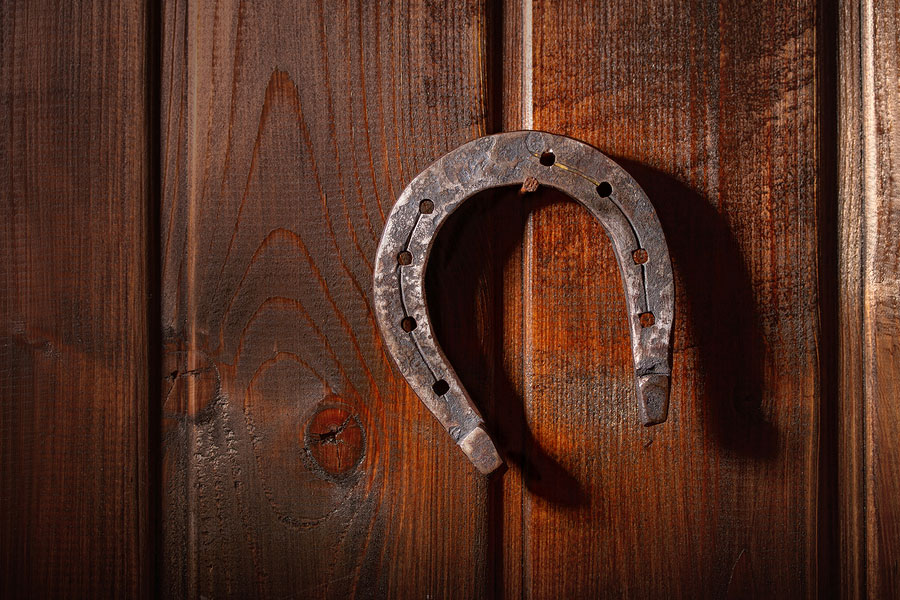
(472, 281)
(716, 312)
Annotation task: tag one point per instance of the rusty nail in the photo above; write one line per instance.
(640, 256)
(529, 185)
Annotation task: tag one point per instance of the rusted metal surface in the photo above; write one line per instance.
(528, 159)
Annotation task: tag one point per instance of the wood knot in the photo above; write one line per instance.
(335, 440)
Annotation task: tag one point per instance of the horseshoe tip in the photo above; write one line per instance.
(653, 396)
(480, 450)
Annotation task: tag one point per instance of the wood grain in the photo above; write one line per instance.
(77, 184)
(296, 461)
(714, 109)
(870, 280)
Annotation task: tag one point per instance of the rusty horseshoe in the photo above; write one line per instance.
(528, 159)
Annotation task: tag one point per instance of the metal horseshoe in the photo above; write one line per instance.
(528, 159)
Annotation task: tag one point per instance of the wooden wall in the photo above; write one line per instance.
(195, 397)
(290, 128)
(76, 248)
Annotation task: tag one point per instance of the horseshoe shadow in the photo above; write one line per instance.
(713, 288)
(468, 277)
(471, 271)
(469, 274)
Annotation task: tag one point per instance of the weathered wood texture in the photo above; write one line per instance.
(76, 189)
(870, 299)
(296, 461)
(714, 109)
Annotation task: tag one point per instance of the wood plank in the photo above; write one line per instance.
(714, 110)
(296, 460)
(77, 184)
(870, 279)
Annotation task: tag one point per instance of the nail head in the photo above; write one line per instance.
(530, 185)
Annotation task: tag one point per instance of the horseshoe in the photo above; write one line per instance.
(528, 159)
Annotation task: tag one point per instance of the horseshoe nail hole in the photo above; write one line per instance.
(640, 256)
(548, 158)
(604, 189)
(408, 324)
(440, 387)
(426, 207)
(404, 258)
(647, 319)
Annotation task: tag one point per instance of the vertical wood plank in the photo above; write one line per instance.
(714, 110)
(76, 149)
(870, 280)
(296, 461)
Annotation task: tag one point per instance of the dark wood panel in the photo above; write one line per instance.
(714, 110)
(296, 461)
(76, 146)
(870, 280)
